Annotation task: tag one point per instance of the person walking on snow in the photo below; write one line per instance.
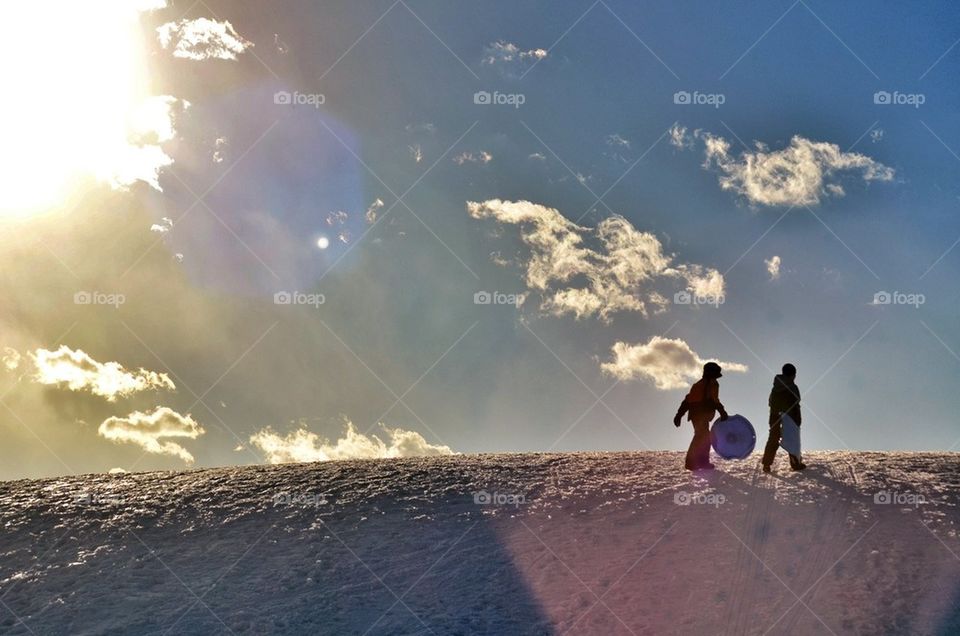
(700, 406)
(784, 400)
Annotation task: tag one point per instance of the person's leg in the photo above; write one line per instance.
(699, 452)
(773, 443)
(705, 445)
(692, 461)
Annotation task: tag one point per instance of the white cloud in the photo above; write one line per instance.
(800, 174)
(303, 445)
(425, 127)
(619, 274)
(77, 371)
(509, 57)
(679, 137)
(148, 5)
(337, 218)
(164, 226)
(876, 135)
(537, 156)
(473, 157)
(416, 152)
(616, 139)
(10, 358)
(147, 429)
(773, 267)
(373, 211)
(669, 362)
(141, 157)
(202, 39)
(219, 149)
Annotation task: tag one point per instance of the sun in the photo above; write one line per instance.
(74, 73)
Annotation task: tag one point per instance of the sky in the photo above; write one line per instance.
(233, 235)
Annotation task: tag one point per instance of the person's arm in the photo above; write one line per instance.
(716, 401)
(678, 418)
(795, 411)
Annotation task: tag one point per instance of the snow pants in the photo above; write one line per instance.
(773, 443)
(698, 455)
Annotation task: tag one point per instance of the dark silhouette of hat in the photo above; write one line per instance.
(789, 370)
(712, 370)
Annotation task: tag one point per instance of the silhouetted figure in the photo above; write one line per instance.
(700, 406)
(784, 399)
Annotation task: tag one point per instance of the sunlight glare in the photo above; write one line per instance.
(75, 74)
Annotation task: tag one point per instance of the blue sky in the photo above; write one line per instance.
(855, 197)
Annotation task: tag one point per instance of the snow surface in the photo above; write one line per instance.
(587, 543)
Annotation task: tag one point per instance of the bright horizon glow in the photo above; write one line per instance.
(76, 91)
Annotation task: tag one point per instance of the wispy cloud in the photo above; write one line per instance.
(509, 58)
(303, 445)
(618, 274)
(802, 173)
(669, 363)
(202, 39)
(10, 358)
(150, 430)
(373, 211)
(164, 226)
(616, 140)
(482, 157)
(680, 137)
(773, 267)
(77, 371)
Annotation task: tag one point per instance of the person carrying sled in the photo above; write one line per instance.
(784, 400)
(700, 406)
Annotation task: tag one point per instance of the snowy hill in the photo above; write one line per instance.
(606, 543)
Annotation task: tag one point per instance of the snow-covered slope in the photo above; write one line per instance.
(611, 543)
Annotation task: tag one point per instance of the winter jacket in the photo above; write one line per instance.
(703, 401)
(784, 398)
